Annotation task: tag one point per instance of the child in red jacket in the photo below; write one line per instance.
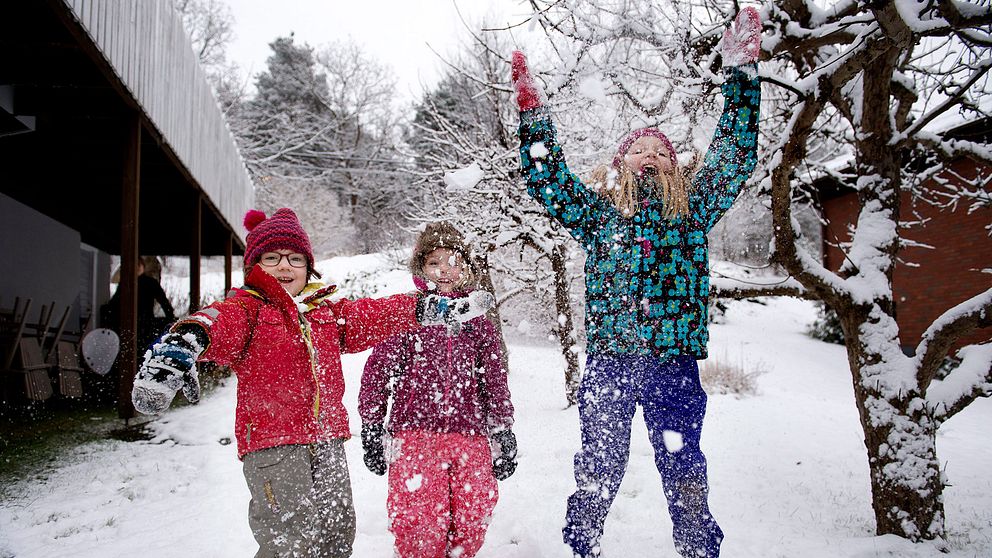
(450, 396)
(284, 337)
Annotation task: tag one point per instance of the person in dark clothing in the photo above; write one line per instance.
(150, 327)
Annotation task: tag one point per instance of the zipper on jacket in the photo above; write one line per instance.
(308, 341)
(447, 383)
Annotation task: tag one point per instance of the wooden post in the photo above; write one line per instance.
(128, 286)
(194, 257)
(228, 267)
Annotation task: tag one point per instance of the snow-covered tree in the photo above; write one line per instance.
(210, 25)
(321, 122)
(361, 96)
(880, 73)
(862, 84)
(464, 144)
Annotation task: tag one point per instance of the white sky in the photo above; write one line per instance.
(396, 32)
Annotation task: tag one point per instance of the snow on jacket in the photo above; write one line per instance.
(439, 382)
(647, 277)
(287, 356)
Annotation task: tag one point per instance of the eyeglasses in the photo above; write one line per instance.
(272, 259)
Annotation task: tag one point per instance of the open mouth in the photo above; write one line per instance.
(285, 280)
(649, 170)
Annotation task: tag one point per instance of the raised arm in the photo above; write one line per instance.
(733, 152)
(549, 181)
(217, 333)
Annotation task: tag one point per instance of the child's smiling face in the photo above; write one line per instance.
(445, 268)
(649, 155)
(288, 267)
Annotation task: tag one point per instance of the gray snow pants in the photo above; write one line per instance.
(301, 502)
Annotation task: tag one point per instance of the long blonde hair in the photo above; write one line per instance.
(620, 186)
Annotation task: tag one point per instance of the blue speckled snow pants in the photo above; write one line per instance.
(673, 401)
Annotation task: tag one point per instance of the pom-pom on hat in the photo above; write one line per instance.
(282, 231)
(639, 133)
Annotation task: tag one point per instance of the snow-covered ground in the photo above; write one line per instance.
(788, 470)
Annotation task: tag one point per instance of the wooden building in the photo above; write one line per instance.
(111, 142)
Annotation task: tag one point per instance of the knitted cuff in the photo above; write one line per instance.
(528, 117)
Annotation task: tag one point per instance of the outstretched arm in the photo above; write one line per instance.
(732, 155)
(549, 181)
(217, 333)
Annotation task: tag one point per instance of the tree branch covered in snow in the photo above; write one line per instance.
(726, 287)
(953, 324)
(971, 379)
(323, 122)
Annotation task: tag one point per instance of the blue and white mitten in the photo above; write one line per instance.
(434, 309)
(170, 365)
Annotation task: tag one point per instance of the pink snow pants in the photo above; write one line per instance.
(441, 494)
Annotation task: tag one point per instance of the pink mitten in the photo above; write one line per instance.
(742, 40)
(528, 96)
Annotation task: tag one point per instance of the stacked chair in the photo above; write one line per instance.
(38, 358)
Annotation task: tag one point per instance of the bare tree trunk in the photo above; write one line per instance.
(486, 283)
(565, 329)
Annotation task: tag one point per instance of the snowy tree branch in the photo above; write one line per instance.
(727, 287)
(809, 272)
(976, 312)
(954, 98)
(971, 379)
(950, 150)
(950, 10)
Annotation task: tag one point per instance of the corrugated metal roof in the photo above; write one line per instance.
(148, 48)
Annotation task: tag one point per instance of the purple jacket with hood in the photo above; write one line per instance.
(439, 382)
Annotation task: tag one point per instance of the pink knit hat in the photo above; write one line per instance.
(633, 136)
(282, 231)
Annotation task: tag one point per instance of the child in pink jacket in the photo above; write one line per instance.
(449, 399)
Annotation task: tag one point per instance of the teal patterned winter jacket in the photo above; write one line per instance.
(647, 277)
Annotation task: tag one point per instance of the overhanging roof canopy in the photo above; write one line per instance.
(73, 73)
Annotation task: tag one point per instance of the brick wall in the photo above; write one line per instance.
(926, 282)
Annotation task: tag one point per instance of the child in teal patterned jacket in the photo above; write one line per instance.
(647, 282)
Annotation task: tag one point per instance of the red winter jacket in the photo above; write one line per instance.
(288, 356)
